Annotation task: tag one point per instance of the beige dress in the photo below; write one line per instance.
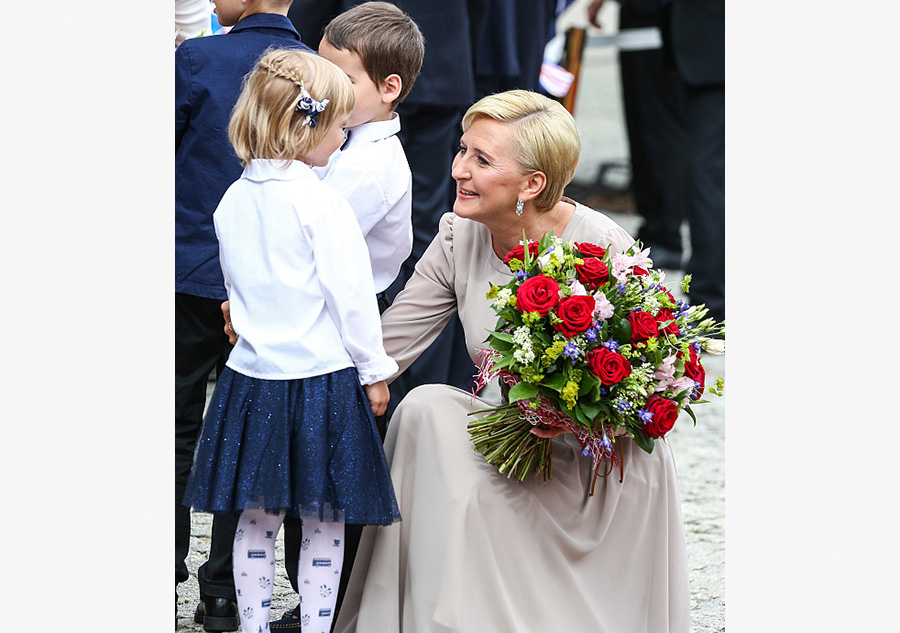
(479, 553)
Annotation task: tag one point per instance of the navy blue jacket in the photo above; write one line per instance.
(208, 75)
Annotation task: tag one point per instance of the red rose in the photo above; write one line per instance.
(664, 414)
(643, 326)
(519, 252)
(592, 273)
(693, 369)
(666, 315)
(609, 367)
(640, 272)
(590, 250)
(537, 294)
(576, 314)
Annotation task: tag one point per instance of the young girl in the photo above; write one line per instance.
(289, 428)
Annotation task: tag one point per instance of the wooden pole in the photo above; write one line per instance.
(574, 51)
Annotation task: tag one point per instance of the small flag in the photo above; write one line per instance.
(555, 79)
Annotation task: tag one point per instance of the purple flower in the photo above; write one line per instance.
(571, 351)
(620, 289)
(586, 453)
(521, 275)
(645, 416)
(605, 443)
(612, 345)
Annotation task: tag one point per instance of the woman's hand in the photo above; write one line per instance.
(229, 331)
(546, 433)
(379, 395)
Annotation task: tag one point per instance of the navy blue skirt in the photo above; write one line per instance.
(307, 446)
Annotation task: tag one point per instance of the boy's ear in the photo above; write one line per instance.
(390, 88)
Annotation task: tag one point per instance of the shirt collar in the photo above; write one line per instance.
(375, 131)
(265, 20)
(260, 169)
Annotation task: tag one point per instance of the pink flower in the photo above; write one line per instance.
(603, 309)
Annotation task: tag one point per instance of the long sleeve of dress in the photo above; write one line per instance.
(424, 306)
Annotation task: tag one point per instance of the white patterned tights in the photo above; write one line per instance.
(321, 558)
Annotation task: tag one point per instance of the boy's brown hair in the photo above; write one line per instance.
(386, 39)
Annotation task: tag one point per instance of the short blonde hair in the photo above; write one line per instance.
(545, 137)
(265, 122)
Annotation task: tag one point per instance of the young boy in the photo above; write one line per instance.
(381, 49)
(208, 75)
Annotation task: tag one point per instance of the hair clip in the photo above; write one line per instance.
(310, 106)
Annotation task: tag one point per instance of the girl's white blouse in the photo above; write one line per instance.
(298, 277)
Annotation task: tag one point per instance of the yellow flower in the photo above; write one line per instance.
(569, 393)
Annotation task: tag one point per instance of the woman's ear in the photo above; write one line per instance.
(390, 88)
(534, 185)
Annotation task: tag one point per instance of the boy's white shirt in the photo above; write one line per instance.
(299, 282)
(372, 174)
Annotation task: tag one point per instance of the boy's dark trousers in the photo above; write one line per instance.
(200, 346)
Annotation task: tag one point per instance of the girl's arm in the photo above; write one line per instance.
(345, 280)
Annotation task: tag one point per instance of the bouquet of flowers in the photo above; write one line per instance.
(590, 342)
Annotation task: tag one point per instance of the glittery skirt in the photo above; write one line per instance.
(308, 446)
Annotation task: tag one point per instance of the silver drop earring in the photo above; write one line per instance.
(520, 206)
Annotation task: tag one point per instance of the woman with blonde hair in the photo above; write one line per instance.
(477, 551)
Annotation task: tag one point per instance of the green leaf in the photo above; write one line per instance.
(590, 409)
(642, 440)
(588, 382)
(555, 382)
(502, 346)
(503, 336)
(621, 330)
(522, 390)
(691, 413)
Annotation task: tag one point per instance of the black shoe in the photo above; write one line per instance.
(217, 614)
(290, 621)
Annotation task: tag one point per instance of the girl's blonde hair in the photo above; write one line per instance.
(545, 137)
(265, 122)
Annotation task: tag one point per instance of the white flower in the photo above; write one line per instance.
(524, 357)
(713, 346)
(524, 352)
(522, 336)
(603, 309)
(502, 299)
(622, 263)
(683, 383)
(577, 289)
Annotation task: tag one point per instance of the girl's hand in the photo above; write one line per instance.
(379, 395)
(229, 331)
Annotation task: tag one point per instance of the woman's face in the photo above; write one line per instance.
(488, 178)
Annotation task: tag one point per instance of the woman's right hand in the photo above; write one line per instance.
(229, 331)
